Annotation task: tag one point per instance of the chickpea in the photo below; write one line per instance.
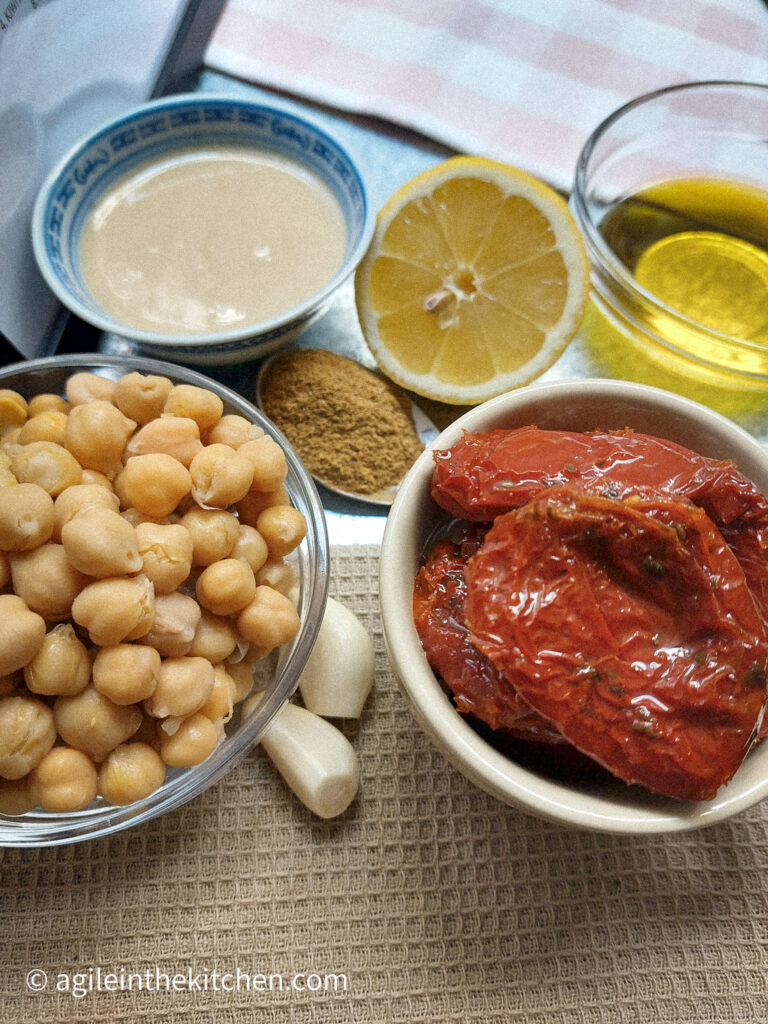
(78, 498)
(215, 638)
(221, 702)
(178, 436)
(242, 675)
(131, 772)
(99, 542)
(194, 740)
(183, 686)
(176, 620)
(268, 461)
(27, 733)
(198, 404)
(269, 620)
(214, 533)
(220, 476)
(93, 476)
(5, 570)
(114, 609)
(154, 484)
(7, 479)
(91, 722)
(47, 464)
(126, 673)
(141, 397)
(226, 586)
(233, 430)
(251, 547)
(65, 780)
(46, 580)
(13, 408)
(89, 387)
(9, 439)
(26, 517)
(253, 504)
(44, 426)
(47, 402)
(166, 552)
(21, 634)
(283, 528)
(16, 796)
(96, 435)
(61, 666)
(276, 574)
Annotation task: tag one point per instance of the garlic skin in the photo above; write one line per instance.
(338, 675)
(316, 760)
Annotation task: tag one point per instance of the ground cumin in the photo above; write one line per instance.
(351, 428)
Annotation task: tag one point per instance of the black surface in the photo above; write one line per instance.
(76, 336)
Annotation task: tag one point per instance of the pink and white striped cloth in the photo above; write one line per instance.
(524, 81)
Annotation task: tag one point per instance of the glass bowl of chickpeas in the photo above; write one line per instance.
(163, 555)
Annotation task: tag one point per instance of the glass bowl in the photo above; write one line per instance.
(671, 195)
(40, 828)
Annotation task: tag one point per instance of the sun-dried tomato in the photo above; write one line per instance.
(438, 611)
(629, 625)
(485, 475)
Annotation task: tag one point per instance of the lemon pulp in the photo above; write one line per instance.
(475, 281)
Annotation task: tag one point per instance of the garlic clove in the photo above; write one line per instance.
(338, 675)
(316, 760)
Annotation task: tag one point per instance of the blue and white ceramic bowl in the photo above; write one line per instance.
(156, 130)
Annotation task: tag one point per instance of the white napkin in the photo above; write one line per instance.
(524, 81)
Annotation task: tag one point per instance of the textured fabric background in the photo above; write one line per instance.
(438, 903)
(524, 81)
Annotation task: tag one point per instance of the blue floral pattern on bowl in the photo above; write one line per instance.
(180, 123)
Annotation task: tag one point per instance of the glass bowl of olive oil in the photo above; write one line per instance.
(671, 194)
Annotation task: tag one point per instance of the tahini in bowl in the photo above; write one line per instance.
(171, 133)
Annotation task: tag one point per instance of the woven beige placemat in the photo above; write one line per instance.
(428, 901)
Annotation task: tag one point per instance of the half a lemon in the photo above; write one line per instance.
(474, 283)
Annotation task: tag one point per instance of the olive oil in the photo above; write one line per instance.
(700, 247)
